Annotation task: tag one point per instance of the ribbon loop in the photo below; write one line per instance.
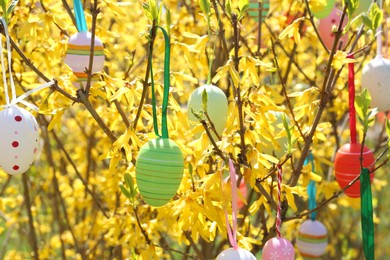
(15, 100)
(351, 91)
(80, 17)
(311, 188)
(164, 125)
(367, 220)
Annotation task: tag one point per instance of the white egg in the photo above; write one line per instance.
(233, 254)
(19, 139)
(376, 79)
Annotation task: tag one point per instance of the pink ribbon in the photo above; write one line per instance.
(278, 216)
(232, 232)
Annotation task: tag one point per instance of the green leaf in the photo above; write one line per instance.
(376, 16)
(205, 7)
(388, 128)
(168, 19)
(205, 99)
(243, 6)
(12, 6)
(125, 191)
(288, 132)
(3, 4)
(228, 7)
(147, 11)
(367, 21)
(352, 5)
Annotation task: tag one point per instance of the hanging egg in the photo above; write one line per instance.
(324, 11)
(253, 9)
(325, 28)
(278, 145)
(19, 140)
(217, 106)
(312, 239)
(278, 248)
(159, 170)
(376, 79)
(347, 166)
(78, 53)
(236, 254)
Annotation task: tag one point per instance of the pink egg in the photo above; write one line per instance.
(236, 254)
(278, 248)
(19, 140)
(325, 28)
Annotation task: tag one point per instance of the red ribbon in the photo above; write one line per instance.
(351, 91)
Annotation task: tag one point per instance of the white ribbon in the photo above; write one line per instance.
(14, 99)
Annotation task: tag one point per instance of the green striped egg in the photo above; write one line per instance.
(312, 239)
(253, 9)
(159, 171)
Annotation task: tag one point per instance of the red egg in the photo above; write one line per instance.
(347, 166)
(325, 28)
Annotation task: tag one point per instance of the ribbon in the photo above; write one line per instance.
(15, 100)
(278, 214)
(80, 17)
(164, 125)
(311, 188)
(351, 91)
(367, 214)
(232, 232)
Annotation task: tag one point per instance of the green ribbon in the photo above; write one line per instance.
(164, 125)
(367, 214)
(311, 188)
(80, 18)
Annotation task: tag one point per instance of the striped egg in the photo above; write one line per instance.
(159, 170)
(19, 140)
(312, 239)
(253, 9)
(347, 166)
(78, 53)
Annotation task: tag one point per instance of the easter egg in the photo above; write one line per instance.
(325, 28)
(278, 248)
(159, 170)
(363, 6)
(243, 189)
(217, 106)
(324, 11)
(19, 140)
(312, 239)
(253, 9)
(376, 79)
(278, 145)
(78, 53)
(347, 166)
(236, 254)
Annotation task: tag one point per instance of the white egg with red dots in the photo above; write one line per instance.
(19, 140)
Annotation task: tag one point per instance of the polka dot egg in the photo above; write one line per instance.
(278, 248)
(312, 239)
(159, 170)
(77, 55)
(19, 138)
(236, 254)
(325, 28)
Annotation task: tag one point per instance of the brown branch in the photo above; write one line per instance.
(32, 235)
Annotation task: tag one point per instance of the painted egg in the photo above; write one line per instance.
(77, 55)
(236, 254)
(278, 145)
(217, 106)
(159, 170)
(325, 28)
(376, 79)
(253, 9)
(312, 239)
(19, 140)
(347, 166)
(324, 11)
(278, 248)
